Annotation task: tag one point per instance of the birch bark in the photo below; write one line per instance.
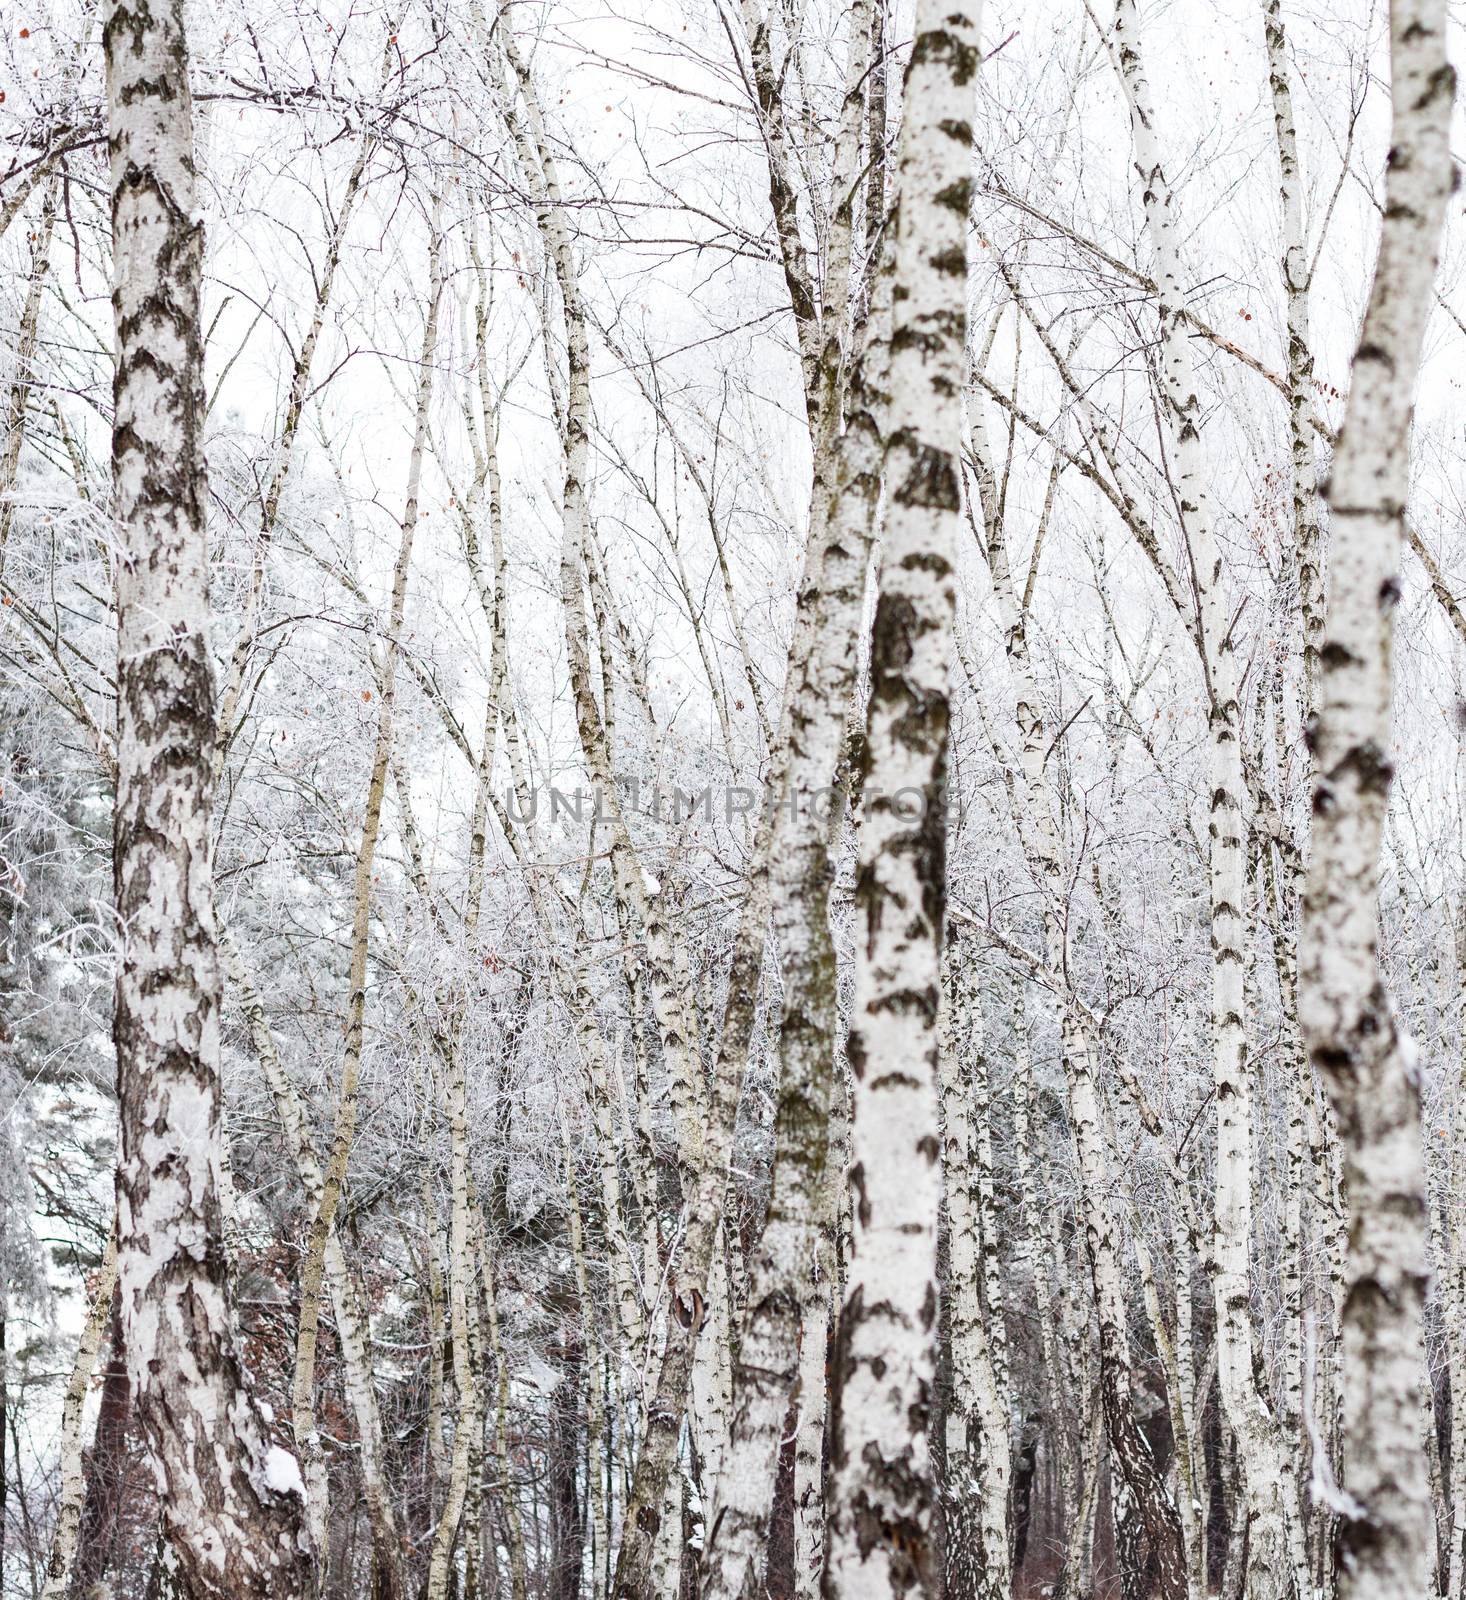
(508, 1488)
(468, 1424)
(73, 1484)
(881, 1494)
(1307, 554)
(1247, 1410)
(1386, 1536)
(783, 1304)
(979, 1465)
(595, 1419)
(1034, 1252)
(18, 398)
(233, 1503)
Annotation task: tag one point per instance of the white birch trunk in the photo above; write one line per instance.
(508, 1489)
(233, 1503)
(18, 398)
(1386, 1537)
(979, 1461)
(1034, 1252)
(595, 1411)
(1307, 551)
(881, 1493)
(712, 1376)
(809, 1440)
(783, 1302)
(1261, 1457)
(434, 1255)
(73, 1482)
(468, 1424)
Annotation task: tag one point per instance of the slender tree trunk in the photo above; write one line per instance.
(1077, 1575)
(567, 1511)
(233, 1503)
(809, 1439)
(1354, 1040)
(1307, 555)
(595, 1413)
(1064, 1448)
(1308, 567)
(69, 1511)
(979, 1465)
(1256, 1428)
(17, 400)
(307, 1434)
(508, 1489)
(783, 1303)
(435, 1256)
(466, 1381)
(353, 1331)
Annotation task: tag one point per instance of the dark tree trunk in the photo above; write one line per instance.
(567, 1508)
(779, 1576)
(107, 1465)
(1024, 1466)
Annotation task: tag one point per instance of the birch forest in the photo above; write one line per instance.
(732, 800)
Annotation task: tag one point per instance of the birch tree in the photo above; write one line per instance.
(1248, 1412)
(1354, 1037)
(880, 1500)
(533, 1193)
(233, 1501)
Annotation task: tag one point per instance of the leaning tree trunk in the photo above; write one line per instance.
(881, 1495)
(73, 1484)
(233, 1504)
(1386, 1535)
(333, 1179)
